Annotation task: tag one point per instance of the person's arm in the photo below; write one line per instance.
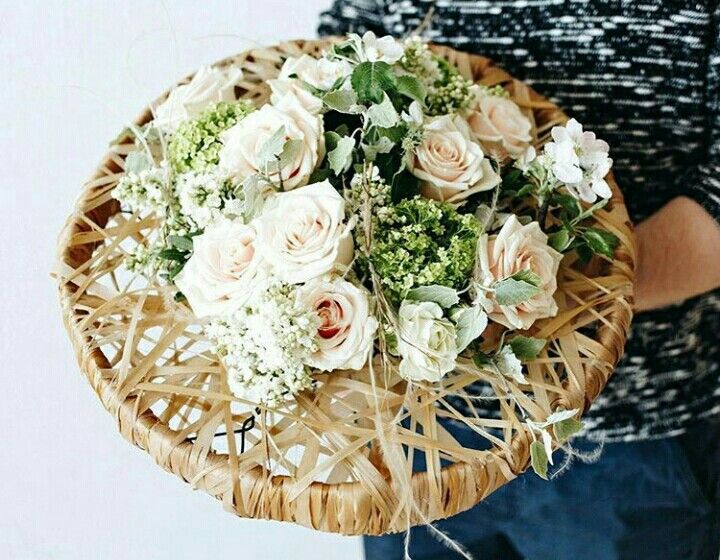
(679, 246)
(678, 255)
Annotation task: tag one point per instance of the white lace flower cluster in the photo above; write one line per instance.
(145, 191)
(206, 197)
(266, 344)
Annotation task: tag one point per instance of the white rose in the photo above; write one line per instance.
(319, 73)
(450, 165)
(347, 330)
(223, 271)
(518, 247)
(208, 85)
(426, 342)
(499, 125)
(242, 144)
(381, 49)
(301, 233)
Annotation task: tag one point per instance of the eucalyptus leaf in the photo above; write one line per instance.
(527, 275)
(371, 80)
(567, 428)
(383, 114)
(442, 295)
(181, 243)
(383, 146)
(539, 459)
(136, 162)
(271, 148)
(560, 415)
(526, 347)
(514, 292)
(340, 158)
(470, 322)
(253, 199)
(342, 101)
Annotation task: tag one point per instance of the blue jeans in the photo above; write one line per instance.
(656, 500)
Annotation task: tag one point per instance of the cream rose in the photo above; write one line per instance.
(515, 248)
(223, 270)
(347, 330)
(426, 342)
(243, 143)
(302, 234)
(499, 125)
(450, 165)
(319, 73)
(208, 85)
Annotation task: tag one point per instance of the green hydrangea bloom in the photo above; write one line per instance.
(196, 144)
(421, 242)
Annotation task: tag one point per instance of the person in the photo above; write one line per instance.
(645, 76)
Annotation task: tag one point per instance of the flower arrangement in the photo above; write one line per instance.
(379, 209)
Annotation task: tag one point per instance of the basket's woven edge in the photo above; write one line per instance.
(350, 506)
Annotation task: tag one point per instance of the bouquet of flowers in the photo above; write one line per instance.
(380, 212)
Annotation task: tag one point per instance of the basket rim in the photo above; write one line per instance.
(149, 433)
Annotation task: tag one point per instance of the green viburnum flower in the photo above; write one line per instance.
(196, 144)
(421, 242)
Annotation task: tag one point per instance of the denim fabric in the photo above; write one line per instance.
(658, 500)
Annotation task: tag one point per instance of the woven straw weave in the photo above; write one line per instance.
(334, 459)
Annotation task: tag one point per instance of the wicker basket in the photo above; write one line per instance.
(317, 462)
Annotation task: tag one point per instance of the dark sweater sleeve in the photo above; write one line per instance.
(353, 16)
(703, 183)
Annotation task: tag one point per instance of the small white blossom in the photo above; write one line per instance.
(580, 161)
(206, 197)
(143, 192)
(379, 49)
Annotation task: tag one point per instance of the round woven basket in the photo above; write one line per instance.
(317, 461)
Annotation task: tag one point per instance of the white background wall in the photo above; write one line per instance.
(73, 72)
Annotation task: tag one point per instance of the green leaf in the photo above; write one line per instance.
(442, 295)
(560, 240)
(404, 185)
(383, 114)
(135, 162)
(514, 292)
(289, 152)
(382, 146)
(565, 429)
(481, 360)
(539, 459)
(371, 80)
(590, 211)
(470, 322)
(342, 101)
(526, 347)
(601, 242)
(173, 255)
(527, 275)
(570, 204)
(340, 158)
(411, 87)
(253, 199)
(181, 243)
(271, 148)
